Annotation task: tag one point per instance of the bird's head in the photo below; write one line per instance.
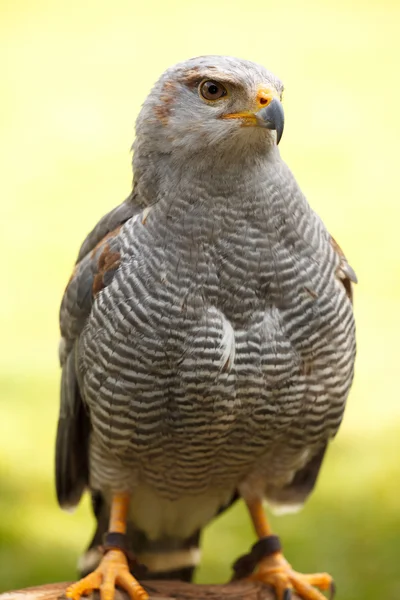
(211, 104)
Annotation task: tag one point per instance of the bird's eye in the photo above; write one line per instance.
(212, 90)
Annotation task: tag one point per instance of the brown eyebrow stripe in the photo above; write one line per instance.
(191, 77)
(163, 109)
(194, 76)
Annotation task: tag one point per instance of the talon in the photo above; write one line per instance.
(276, 571)
(332, 590)
(84, 586)
(133, 587)
(112, 570)
(273, 568)
(287, 594)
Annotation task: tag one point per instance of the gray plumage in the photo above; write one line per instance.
(208, 334)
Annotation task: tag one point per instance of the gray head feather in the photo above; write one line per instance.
(177, 125)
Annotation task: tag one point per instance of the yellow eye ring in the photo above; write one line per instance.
(212, 90)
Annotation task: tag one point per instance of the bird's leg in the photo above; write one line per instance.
(113, 569)
(273, 568)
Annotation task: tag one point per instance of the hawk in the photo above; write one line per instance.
(208, 338)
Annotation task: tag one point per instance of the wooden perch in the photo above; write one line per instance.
(160, 590)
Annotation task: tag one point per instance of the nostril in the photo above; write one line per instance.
(264, 100)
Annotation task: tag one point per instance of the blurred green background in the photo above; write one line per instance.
(74, 75)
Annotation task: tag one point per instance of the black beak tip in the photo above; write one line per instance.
(279, 133)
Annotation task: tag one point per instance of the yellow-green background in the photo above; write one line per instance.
(73, 76)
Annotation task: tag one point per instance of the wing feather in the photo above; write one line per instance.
(98, 260)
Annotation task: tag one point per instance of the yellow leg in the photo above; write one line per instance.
(274, 570)
(119, 513)
(113, 569)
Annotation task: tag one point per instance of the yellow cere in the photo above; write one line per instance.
(265, 96)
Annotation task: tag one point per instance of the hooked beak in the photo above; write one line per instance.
(272, 117)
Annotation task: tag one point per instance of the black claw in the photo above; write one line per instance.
(287, 594)
(332, 590)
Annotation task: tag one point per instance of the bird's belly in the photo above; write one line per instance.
(161, 517)
(189, 415)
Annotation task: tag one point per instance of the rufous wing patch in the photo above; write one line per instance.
(108, 262)
(345, 273)
(107, 237)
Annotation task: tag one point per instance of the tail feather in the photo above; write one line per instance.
(291, 497)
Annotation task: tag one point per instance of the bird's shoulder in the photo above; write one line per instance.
(97, 262)
(109, 224)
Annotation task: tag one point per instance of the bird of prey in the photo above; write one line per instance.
(208, 339)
